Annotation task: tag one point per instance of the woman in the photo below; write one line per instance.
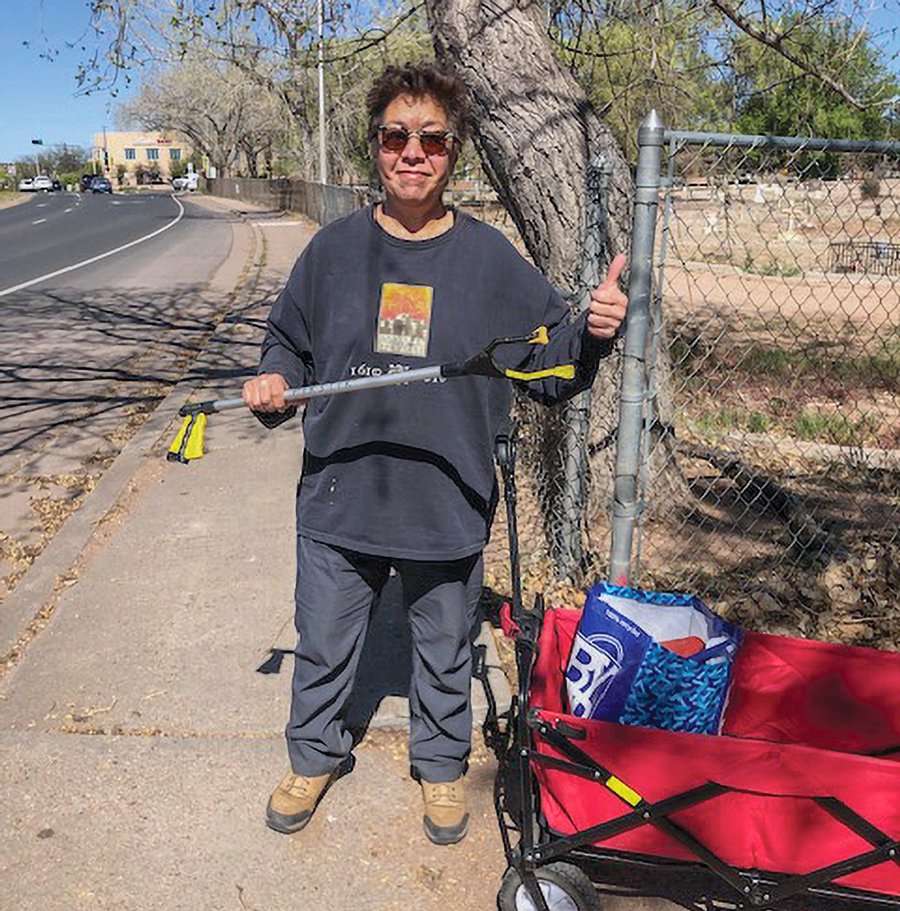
(403, 477)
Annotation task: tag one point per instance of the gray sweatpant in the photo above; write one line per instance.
(335, 591)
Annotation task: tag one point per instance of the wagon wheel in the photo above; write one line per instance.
(565, 888)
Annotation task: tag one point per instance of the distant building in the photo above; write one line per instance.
(152, 154)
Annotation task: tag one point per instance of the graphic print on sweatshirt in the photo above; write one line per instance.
(404, 319)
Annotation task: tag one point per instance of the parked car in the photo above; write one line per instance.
(42, 182)
(26, 184)
(185, 182)
(101, 185)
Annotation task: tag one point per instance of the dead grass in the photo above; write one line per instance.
(11, 198)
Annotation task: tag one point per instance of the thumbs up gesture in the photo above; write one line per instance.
(608, 303)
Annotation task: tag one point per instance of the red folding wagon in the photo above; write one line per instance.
(795, 805)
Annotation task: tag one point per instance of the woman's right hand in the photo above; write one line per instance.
(266, 393)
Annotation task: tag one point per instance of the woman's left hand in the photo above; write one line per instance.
(608, 303)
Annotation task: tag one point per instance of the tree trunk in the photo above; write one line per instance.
(536, 134)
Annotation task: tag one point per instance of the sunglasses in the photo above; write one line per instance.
(394, 139)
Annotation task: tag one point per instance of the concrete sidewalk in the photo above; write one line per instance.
(148, 676)
(141, 716)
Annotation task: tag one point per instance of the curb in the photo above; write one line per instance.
(32, 602)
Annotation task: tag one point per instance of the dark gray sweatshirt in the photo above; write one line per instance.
(407, 471)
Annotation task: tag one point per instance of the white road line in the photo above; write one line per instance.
(95, 259)
(68, 210)
(39, 221)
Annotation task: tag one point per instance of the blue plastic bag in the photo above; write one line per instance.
(653, 659)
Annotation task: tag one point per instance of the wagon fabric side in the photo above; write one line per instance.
(775, 806)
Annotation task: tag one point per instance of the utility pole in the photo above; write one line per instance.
(323, 161)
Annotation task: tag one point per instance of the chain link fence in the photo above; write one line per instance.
(758, 443)
(323, 203)
(768, 477)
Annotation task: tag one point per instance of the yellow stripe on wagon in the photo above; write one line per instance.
(617, 786)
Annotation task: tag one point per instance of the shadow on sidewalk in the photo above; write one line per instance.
(384, 666)
(103, 356)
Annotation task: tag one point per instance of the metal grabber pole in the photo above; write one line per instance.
(188, 444)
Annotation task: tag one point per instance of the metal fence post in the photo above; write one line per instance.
(626, 506)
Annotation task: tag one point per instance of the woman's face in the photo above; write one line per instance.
(413, 179)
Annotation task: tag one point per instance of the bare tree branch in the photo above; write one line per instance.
(776, 41)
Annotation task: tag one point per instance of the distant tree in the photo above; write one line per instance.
(214, 105)
(637, 57)
(71, 179)
(25, 167)
(870, 187)
(64, 158)
(262, 126)
(54, 160)
(775, 95)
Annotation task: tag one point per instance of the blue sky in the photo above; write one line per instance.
(39, 98)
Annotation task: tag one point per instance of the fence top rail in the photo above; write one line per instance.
(687, 137)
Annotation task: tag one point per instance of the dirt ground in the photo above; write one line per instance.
(780, 226)
(816, 303)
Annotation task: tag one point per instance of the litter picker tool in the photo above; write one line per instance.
(188, 444)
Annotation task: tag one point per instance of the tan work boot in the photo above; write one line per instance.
(446, 820)
(294, 801)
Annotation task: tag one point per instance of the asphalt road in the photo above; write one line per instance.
(86, 353)
(54, 231)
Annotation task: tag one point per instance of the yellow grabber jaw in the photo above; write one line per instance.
(188, 444)
(540, 336)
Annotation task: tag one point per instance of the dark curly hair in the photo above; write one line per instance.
(420, 80)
